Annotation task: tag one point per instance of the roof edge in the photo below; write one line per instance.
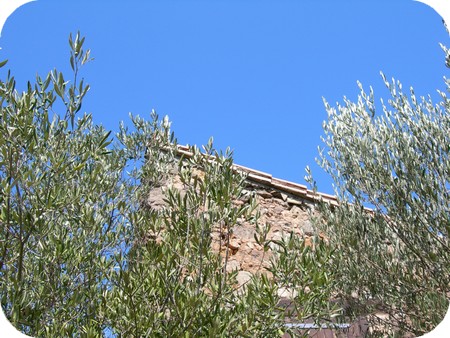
(269, 181)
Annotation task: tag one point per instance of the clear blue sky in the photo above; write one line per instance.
(250, 73)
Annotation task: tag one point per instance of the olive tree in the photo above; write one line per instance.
(83, 253)
(61, 198)
(77, 256)
(391, 167)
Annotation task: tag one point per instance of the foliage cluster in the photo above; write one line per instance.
(394, 259)
(82, 255)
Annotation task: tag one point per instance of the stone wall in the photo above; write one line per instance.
(284, 213)
(286, 206)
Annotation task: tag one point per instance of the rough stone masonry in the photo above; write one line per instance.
(286, 206)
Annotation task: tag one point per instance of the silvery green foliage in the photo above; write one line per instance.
(78, 248)
(393, 158)
(173, 284)
(307, 273)
(60, 192)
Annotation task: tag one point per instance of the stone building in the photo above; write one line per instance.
(286, 206)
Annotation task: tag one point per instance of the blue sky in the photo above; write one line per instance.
(250, 73)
